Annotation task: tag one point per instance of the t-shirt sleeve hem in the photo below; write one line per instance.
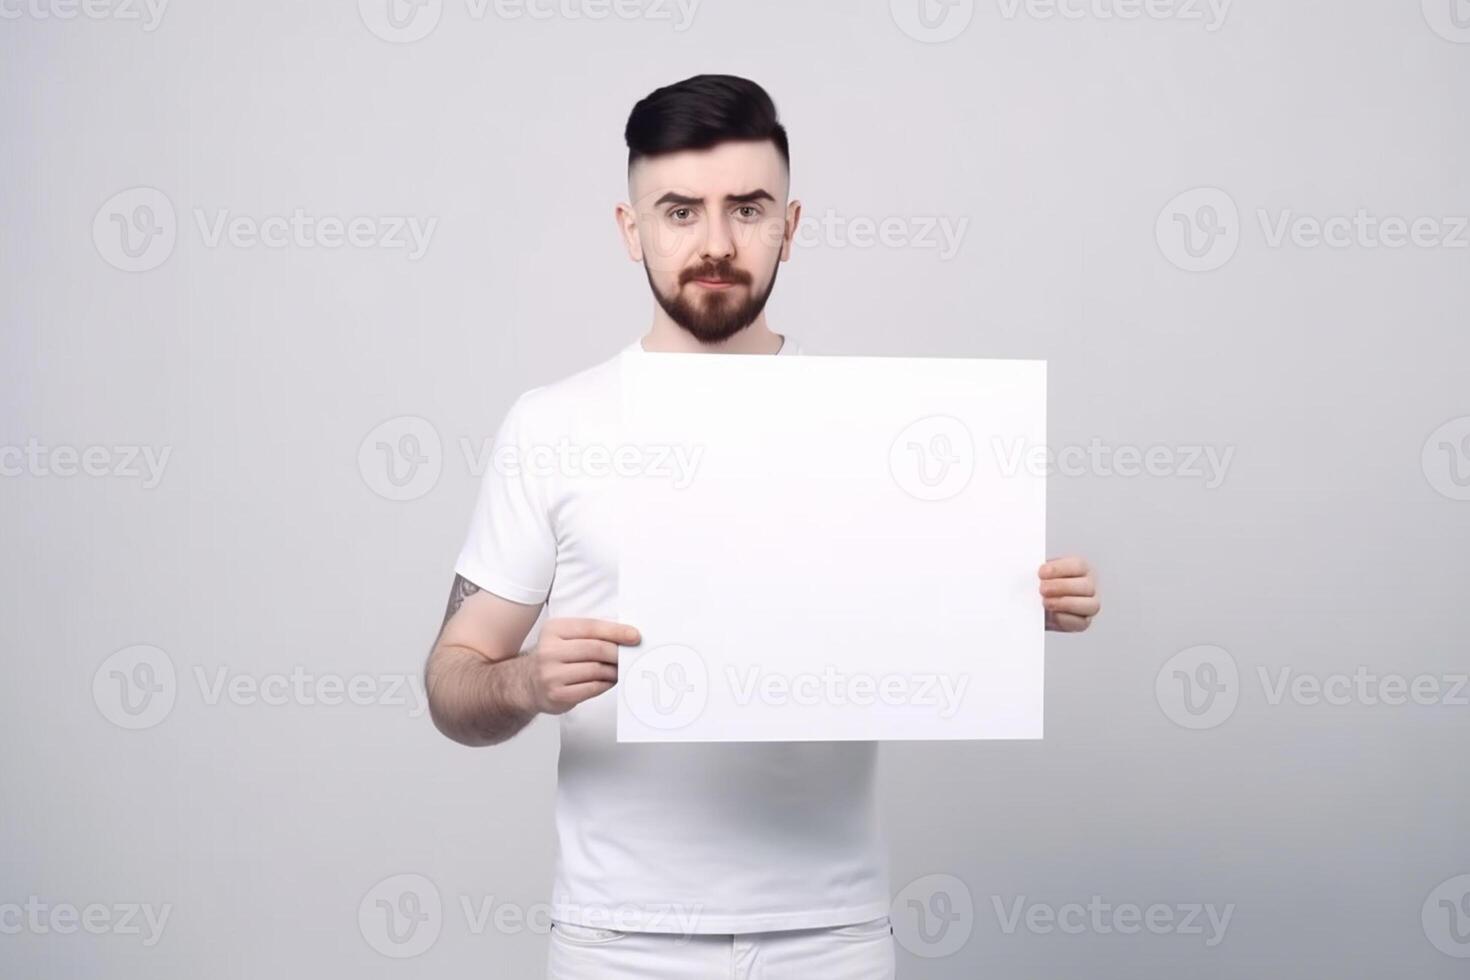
(487, 580)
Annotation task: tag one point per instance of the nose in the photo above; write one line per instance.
(718, 242)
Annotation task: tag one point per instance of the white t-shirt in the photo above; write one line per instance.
(702, 837)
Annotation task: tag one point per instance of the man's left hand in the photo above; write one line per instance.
(1069, 594)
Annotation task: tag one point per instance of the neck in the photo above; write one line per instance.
(666, 336)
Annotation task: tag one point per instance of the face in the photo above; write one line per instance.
(711, 227)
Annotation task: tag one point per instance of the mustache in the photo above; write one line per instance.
(723, 272)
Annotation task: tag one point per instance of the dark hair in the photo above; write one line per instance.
(698, 113)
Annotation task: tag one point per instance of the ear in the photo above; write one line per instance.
(628, 227)
(793, 221)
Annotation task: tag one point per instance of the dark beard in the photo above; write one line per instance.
(714, 317)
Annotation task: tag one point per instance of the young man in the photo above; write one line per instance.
(693, 860)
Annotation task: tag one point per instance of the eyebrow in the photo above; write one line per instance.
(756, 195)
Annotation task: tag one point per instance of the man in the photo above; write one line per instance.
(691, 860)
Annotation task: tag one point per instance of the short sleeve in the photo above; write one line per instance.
(510, 548)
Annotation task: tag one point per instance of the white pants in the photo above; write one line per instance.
(856, 952)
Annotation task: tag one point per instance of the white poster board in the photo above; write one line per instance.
(853, 554)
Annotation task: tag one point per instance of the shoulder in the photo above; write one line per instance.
(559, 403)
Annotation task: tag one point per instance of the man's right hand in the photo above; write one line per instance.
(483, 689)
(574, 660)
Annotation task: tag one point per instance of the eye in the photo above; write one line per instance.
(749, 211)
(681, 214)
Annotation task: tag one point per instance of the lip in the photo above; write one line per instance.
(715, 283)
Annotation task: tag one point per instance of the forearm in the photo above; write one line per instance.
(476, 701)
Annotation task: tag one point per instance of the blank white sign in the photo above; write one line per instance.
(849, 549)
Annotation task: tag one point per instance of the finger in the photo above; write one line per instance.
(1069, 567)
(577, 693)
(1078, 605)
(1069, 586)
(1068, 623)
(596, 629)
(581, 672)
(589, 651)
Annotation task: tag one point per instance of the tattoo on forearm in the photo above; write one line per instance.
(462, 589)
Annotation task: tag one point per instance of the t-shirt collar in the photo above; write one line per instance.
(788, 345)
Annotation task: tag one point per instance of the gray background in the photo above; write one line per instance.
(1331, 543)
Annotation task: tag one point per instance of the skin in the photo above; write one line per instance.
(723, 210)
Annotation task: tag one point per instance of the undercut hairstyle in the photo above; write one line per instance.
(699, 113)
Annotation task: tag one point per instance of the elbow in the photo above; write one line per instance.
(452, 726)
(445, 710)
(455, 730)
